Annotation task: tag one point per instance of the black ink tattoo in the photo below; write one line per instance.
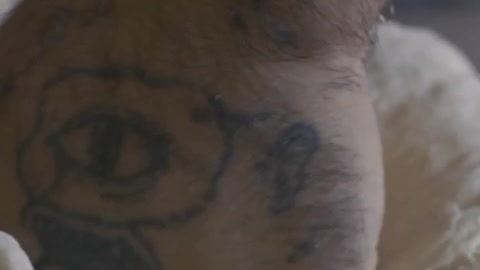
(287, 164)
(108, 130)
(308, 246)
(64, 230)
(59, 22)
(77, 246)
(275, 29)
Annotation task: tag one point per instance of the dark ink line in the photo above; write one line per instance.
(148, 247)
(106, 140)
(278, 30)
(310, 245)
(59, 23)
(73, 247)
(23, 147)
(222, 120)
(226, 122)
(169, 220)
(75, 240)
(288, 160)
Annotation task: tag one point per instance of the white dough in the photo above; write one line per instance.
(12, 257)
(5, 7)
(427, 97)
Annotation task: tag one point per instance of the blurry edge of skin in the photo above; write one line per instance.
(12, 256)
(355, 129)
(440, 106)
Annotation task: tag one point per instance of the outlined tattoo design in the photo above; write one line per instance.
(58, 23)
(286, 170)
(286, 164)
(119, 158)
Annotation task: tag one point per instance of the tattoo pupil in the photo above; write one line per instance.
(105, 145)
(108, 133)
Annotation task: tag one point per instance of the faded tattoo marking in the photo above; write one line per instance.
(99, 242)
(308, 246)
(58, 23)
(68, 245)
(287, 163)
(275, 29)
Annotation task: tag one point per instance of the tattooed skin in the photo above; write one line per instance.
(105, 167)
(258, 24)
(288, 159)
(97, 148)
(58, 23)
(143, 139)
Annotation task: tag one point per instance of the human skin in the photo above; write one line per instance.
(183, 134)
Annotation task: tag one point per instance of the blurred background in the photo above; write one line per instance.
(457, 20)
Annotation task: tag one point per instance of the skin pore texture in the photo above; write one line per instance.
(175, 134)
